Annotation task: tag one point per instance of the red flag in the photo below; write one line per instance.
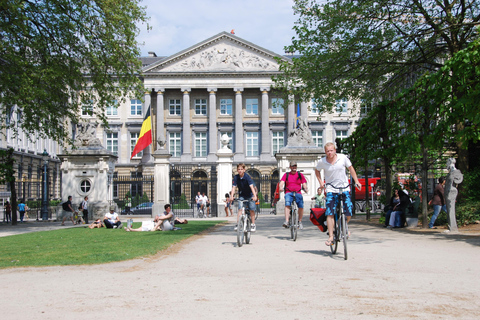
(145, 137)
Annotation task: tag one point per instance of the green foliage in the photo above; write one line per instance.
(471, 189)
(145, 198)
(59, 55)
(182, 204)
(75, 246)
(260, 197)
(467, 212)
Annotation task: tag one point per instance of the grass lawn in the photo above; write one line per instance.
(90, 246)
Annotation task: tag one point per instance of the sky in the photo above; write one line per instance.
(179, 24)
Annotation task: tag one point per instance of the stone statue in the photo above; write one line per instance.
(87, 135)
(224, 139)
(161, 142)
(301, 136)
(454, 177)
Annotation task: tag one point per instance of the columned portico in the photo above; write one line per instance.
(147, 152)
(187, 131)
(239, 147)
(266, 145)
(212, 124)
(160, 117)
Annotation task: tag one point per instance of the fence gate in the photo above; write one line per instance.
(139, 187)
(185, 182)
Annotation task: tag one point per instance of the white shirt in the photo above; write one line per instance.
(335, 173)
(112, 217)
(203, 199)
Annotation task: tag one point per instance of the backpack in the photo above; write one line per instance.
(318, 218)
(299, 176)
(65, 206)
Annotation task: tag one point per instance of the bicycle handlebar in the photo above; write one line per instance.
(335, 187)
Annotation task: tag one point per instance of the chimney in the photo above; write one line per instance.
(152, 54)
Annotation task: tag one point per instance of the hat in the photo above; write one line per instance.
(293, 163)
(112, 208)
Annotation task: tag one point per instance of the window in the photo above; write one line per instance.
(278, 141)
(200, 144)
(252, 106)
(112, 109)
(226, 107)
(230, 142)
(252, 144)
(201, 107)
(133, 142)
(316, 106)
(87, 108)
(318, 138)
(365, 107)
(341, 134)
(175, 107)
(175, 144)
(341, 106)
(112, 142)
(135, 107)
(85, 186)
(277, 106)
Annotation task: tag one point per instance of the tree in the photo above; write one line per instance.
(7, 175)
(373, 49)
(57, 56)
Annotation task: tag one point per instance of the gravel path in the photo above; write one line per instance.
(389, 275)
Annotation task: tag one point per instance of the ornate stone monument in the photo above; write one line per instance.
(87, 170)
(454, 177)
(224, 165)
(300, 148)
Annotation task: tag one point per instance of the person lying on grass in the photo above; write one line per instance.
(96, 224)
(162, 222)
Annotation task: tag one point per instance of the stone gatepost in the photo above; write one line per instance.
(88, 171)
(224, 174)
(300, 148)
(162, 179)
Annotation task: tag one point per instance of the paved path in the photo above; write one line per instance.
(389, 275)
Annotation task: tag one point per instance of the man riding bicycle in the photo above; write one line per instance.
(246, 191)
(291, 182)
(334, 165)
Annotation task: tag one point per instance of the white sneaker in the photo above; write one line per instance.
(285, 224)
(254, 228)
(300, 225)
(235, 229)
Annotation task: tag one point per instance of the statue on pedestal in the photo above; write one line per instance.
(454, 177)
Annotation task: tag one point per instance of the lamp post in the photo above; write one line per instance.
(44, 211)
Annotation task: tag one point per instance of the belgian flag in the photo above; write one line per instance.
(145, 138)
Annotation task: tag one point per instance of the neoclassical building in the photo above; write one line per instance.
(222, 85)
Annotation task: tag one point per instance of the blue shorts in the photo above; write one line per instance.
(251, 204)
(298, 199)
(332, 201)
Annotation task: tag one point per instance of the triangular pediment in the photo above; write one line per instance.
(221, 53)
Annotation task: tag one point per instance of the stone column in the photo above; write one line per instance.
(304, 110)
(187, 132)
(224, 181)
(147, 152)
(266, 145)
(239, 150)
(160, 132)
(212, 124)
(162, 180)
(291, 115)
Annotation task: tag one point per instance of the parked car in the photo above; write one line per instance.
(143, 208)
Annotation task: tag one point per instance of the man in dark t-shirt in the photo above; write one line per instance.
(246, 191)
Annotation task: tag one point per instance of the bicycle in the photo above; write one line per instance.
(200, 212)
(340, 231)
(244, 225)
(257, 209)
(294, 218)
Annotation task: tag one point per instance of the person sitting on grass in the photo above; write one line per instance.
(162, 222)
(111, 219)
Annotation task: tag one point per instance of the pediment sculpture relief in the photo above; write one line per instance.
(224, 58)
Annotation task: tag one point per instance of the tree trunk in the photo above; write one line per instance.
(424, 188)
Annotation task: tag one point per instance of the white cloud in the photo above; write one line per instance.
(179, 24)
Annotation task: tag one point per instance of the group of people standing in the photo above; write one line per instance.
(203, 203)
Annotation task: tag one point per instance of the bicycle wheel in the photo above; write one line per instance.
(240, 233)
(294, 224)
(334, 246)
(247, 231)
(257, 211)
(344, 236)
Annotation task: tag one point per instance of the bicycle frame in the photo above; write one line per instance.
(340, 232)
(294, 218)
(244, 224)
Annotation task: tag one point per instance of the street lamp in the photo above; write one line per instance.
(44, 211)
